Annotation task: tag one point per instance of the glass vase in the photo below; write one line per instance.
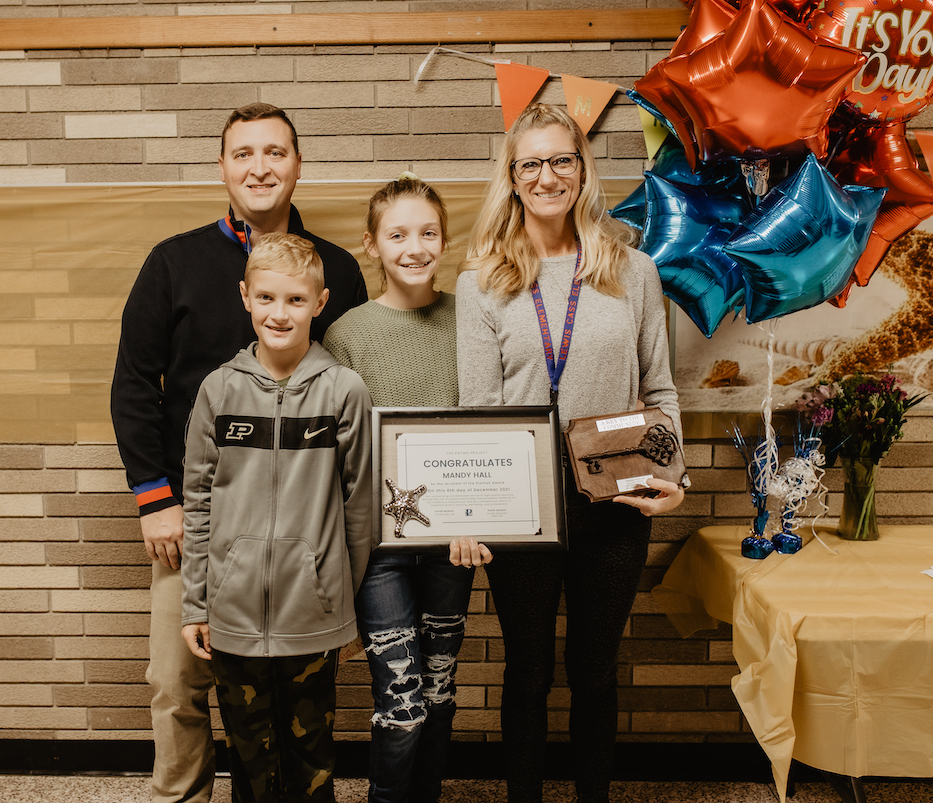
(858, 521)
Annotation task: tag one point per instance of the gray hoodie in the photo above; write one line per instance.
(278, 506)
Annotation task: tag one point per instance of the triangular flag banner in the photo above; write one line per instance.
(518, 84)
(925, 141)
(586, 99)
(655, 131)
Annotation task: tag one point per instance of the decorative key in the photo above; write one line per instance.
(658, 444)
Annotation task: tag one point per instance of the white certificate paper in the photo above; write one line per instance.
(477, 482)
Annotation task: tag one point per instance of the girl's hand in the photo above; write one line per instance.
(467, 552)
(669, 496)
(198, 639)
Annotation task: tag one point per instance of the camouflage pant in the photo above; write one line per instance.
(279, 718)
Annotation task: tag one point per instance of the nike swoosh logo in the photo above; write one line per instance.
(308, 434)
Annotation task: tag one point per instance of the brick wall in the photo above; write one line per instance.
(73, 574)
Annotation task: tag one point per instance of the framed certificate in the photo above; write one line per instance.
(490, 473)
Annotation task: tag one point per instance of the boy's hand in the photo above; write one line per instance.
(467, 552)
(164, 533)
(669, 495)
(198, 639)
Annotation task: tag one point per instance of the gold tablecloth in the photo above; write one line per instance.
(835, 652)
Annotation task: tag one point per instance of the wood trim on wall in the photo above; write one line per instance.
(438, 28)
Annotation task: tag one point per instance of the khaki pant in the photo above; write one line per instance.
(181, 723)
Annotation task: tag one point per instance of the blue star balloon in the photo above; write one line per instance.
(800, 245)
(685, 229)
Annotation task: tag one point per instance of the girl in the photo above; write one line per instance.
(411, 608)
(544, 239)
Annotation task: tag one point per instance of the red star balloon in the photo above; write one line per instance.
(762, 89)
(896, 37)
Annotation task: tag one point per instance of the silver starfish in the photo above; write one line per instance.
(404, 506)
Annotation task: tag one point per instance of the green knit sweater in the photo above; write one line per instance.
(407, 358)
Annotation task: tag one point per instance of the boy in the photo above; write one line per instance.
(278, 529)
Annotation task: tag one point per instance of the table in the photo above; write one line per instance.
(835, 652)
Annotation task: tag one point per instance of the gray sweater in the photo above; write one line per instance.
(618, 353)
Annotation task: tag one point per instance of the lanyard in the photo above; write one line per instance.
(556, 367)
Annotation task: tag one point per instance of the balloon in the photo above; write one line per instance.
(896, 37)
(763, 88)
(800, 245)
(685, 229)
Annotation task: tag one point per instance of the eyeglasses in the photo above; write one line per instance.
(562, 164)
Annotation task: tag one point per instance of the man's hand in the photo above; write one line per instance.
(198, 639)
(669, 496)
(467, 552)
(163, 533)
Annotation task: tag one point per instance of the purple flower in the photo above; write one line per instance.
(821, 415)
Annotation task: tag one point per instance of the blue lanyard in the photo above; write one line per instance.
(556, 367)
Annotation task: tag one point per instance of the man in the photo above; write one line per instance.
(184, 317)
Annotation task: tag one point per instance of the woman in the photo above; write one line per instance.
(411, 608)
(543, 240)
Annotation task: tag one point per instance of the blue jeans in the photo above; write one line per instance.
(411, 612)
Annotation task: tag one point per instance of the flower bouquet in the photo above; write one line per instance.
(859, 418)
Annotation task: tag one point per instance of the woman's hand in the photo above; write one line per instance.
(198, 639)
(669, 496)
(467, 552)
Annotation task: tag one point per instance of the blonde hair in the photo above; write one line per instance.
(407, 185)
(288, 254)
(500, 249)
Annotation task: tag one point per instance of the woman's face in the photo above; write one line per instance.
(548, 197)
(409, 243)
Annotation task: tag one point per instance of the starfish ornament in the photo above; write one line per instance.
(404, 506)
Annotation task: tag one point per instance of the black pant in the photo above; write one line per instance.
(608, 548)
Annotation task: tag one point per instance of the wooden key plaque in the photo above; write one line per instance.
(615, 454)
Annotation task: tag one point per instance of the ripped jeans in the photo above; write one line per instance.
(411, 612)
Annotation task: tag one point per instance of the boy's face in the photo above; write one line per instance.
(281, 308)
(260, 168)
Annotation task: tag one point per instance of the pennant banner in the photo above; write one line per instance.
(654, 130)
(586, 99)
(518, 84)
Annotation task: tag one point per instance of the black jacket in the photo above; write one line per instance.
(183, 318)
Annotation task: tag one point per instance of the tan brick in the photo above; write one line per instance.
(20, 456)
(101, 647)
(38, 530)
(230, 69)
(26, 649)
(101, 481)
(736, 505)
(36, 482)
(31, 624)
(918, 504)
(86, 151)
(456, 121)
(25, 694)
(13, 153)
(721, 651)
(78, 308)
(116, 671)
(349, 94)
(483, 626)
(353, 171)
(31, 126)
(437, 170)
(361, 68)
(80, 98)
(22, 554)
(120, 72)
(480, 674)
(434, 93)
(44, 718)
(686, 722)
(91, 505)
(337, 149)
(595, 65)
(20, 505)
(114, 174)
(122, 125)
(12, 99)
(698, 455)
(717, 480)
(24, 601)
(38, 577)
(42, 671)
(683, 675)
(116, 576)
(79, 456)
(104, 696)
(203, 150)
(31, 73)
(226, 9)
(439, 146)
(96, 333)
(223, 97)
(909, 454)
(111, 529)
(34, 334)
(96, 555)
(332, 122)
(20, 383)
(101, 601)
(116, 624)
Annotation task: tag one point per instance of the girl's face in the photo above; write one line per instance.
(409, 243)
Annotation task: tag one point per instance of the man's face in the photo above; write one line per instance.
(260, 168)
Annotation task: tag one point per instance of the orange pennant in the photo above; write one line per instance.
(518, 84)
(586, 99)
(925, 141)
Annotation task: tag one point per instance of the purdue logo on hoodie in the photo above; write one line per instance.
(257, 432)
